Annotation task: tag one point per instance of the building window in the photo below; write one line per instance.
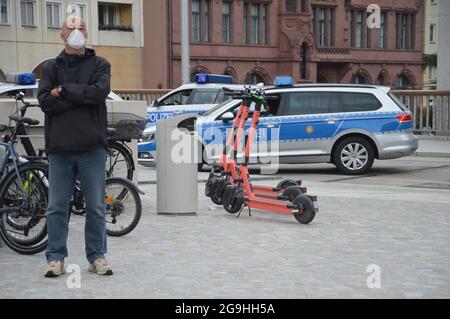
(254, 78)
(226, 22)
(77, 10)
(245, 22)
(303, 61)
(432, 33)
(200, 32)
(404, 31)
(265, 25)
(358, 33)
(4, 11)
(195, 20)
(53, 12)
(115, 17)
(206, 17)
(291, 6)
(382, 38)
(381, 80)
(304, 6)
(402, 82)
(431, 72)
(255, 23)
(359, 79)
(28, 13)
(323, 26)
(433, 1)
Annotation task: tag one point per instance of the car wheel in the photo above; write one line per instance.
(354, 156)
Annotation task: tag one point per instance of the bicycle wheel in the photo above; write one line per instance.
(23, 206)
(123, 206)
(119, 161)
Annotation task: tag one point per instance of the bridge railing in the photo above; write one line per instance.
(431, 110)
(148, 95)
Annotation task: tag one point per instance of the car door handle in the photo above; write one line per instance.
(332, 120)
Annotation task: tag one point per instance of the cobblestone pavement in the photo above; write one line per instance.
(402, 230)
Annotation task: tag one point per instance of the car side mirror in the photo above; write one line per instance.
(155, 103)
(228, 116)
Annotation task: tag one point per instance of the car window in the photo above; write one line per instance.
(398, 102)
(28, 93)
(177, 98)
(303, 103)
(221, 97)
(358, 102)
(203, 96)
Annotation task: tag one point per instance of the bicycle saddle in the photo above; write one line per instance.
(111, 132)
(25, 120)
(3, 127)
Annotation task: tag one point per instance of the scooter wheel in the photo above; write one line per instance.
(217, 191)
(292, 192)
(208, 185)
(285, 183)
(233, 199)
(306, 208)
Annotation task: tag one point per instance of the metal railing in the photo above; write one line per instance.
(148, 95)
(431, 110)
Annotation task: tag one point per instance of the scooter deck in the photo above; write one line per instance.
(278, 207)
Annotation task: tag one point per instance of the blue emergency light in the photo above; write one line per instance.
(202, 78)
(284, 80)
(21, 78)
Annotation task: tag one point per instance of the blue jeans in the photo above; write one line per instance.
(64, 169)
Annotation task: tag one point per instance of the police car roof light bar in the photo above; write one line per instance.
(21, 78)
(283, 80)
(203, 78)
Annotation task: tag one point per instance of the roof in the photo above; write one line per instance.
(329, 85)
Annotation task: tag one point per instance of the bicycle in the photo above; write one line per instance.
(23, 196)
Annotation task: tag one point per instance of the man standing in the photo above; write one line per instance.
(72, 94)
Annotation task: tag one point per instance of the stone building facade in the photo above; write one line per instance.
(312, 40)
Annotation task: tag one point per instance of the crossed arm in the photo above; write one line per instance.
(74, 94)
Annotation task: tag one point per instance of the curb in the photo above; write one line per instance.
(431, 154)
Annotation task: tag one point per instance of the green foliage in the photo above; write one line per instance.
(429, 59)
(113, 27)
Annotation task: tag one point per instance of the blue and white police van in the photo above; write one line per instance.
(192, 98)
(347, 125)
(196, 97)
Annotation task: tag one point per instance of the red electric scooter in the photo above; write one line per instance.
(231, 185)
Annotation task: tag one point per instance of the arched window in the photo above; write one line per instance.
(231, 72)
(402, 82)
(254, 78)
(382, 79)
(358, 78)
(303, 59)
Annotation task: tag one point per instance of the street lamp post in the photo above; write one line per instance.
(185, 55)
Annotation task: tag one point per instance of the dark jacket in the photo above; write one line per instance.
(76, 121)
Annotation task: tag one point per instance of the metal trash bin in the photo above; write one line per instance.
(176, 165)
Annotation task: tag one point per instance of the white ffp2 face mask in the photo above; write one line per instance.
(76, 39)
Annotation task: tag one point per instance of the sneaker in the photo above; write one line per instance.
(101, 267)
(55, 268)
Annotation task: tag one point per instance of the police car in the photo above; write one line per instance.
(27, 83)
(347, 125)
(196, 97)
